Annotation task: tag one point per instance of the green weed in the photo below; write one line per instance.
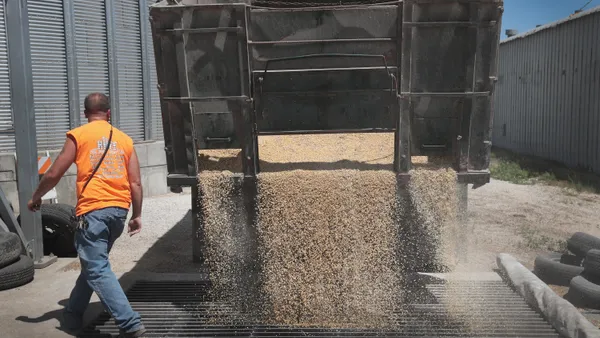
(510, 171)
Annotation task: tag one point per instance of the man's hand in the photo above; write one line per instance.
(34, 205)
(135, 226)
(54, 173)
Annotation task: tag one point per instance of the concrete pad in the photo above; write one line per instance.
(34, 310)
(156, 154)
(7, 176)
(142, 153)
(162, 251)
(7, 162)
(153, 181)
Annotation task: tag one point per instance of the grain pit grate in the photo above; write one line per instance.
(181, 309)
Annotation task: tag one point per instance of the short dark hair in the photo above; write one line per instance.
(96, 103)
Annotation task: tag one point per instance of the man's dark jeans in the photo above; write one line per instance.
(93, 246)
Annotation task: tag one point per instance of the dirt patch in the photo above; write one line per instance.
(73, 266)
(561, 291)
(526, 220)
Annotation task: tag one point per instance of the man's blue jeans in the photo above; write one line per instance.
(93, 246)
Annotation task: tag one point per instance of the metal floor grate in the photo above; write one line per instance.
(180, 309)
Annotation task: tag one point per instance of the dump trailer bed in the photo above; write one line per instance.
(229, 71)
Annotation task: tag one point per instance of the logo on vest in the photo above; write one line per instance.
(113, 165)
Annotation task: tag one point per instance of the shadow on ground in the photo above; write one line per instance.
(172, 253)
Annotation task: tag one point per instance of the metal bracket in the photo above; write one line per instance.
(262, 78)
(181, 180)
(8, 222)
(44, 262)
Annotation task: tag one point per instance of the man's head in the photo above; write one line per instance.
(97, 107)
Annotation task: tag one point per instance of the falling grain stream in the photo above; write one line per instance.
(335, 232)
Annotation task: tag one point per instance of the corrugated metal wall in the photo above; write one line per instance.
(547, 96)
(156, 113)
(91, 49)
(129, 66)
(50, 45)
(7, 141)
(49, 68)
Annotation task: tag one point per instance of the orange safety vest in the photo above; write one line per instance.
(110, 185)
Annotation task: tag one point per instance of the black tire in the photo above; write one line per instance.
(591, 263)
(57, 218)
(571, 260)
(10, 248)
(58, 235)
(580, 243)
(59, 211)
(17, 274)
(549, 269)
(583, 293)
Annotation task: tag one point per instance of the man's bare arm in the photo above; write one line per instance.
(57, 170)
(135, 182)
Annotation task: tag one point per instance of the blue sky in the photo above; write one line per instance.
(524, 15)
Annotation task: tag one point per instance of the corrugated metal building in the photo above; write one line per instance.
(81, 46)
(547, 100)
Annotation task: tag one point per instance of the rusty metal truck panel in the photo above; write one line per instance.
(423, 69)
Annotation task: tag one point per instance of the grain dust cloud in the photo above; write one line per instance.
(332, 234)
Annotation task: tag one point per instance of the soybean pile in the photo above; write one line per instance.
(333, 233)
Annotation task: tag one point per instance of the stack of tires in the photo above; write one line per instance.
(15, 269)
(579, 270)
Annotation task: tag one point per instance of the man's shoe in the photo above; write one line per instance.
(71, 323)
(133, 334)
